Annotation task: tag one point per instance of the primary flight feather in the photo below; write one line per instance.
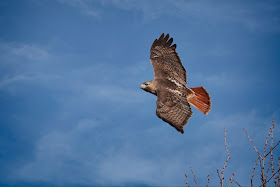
(170, 86)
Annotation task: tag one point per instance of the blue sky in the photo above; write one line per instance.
(72, 113)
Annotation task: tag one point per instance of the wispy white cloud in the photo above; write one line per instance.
(28, 63)
(82, 154)
(84, 5)
(18, 78)
(93, 152)
(20, 64)
(230, 81)
(256, 17)
(218, 51)
(29, 51)
(113, 93)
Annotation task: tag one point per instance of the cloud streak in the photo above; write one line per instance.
(84, 5)
(39, 68)
(81, 155)
(255, 17)
(29, 51)
(73, 113)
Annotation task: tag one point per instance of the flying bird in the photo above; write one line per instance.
(170, 86)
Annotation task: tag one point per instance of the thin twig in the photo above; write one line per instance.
(271, 154)
(230, 180)
(253, 144)
(272, 149)
(219, 176)
(194, 177)
(261, 160)
(254, 171)
(228, 157)
(266, 176)
(270, 134)
(270, 178)
(278, 170)
(262, 172)
(266, 139)
(208, 180)
(187, 180)
(236, 182)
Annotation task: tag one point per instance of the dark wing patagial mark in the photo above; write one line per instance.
(165, 60)
(173, 109)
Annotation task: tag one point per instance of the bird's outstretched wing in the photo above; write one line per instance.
(165, 60)
(173, 109)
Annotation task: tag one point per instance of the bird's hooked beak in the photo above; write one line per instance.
(147, 87)
(143, 86)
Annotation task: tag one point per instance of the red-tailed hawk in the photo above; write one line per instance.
(170, 86)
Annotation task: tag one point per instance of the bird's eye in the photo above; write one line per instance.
(146, 84)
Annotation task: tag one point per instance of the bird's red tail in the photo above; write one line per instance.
(200, 100)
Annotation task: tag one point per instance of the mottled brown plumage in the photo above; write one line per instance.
(170, 86)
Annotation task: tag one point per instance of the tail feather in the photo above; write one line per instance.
(200, 100)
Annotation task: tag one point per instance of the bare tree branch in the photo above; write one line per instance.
(228, 157)
(271, 164)
(194, 177)
(236, 182)
(225, 164)
(266, 176)
(263, 174)
(263, 184)
(266, 139)
(272, 149)
(187, 180)
(253, 144)
(219, 176)
(262, 160)
(254, 171)
(230, 180)
(264, 153)
(278, 170)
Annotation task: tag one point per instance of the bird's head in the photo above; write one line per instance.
(148, 87)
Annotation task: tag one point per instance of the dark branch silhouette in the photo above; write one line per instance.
(265, 171)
